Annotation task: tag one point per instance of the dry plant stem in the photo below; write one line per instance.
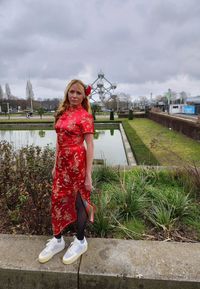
(184, 239)
(126, 230)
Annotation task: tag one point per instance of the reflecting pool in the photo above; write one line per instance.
(108, 144)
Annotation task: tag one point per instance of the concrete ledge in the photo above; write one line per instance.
(129, 154)
(19, 266)
(108, 263)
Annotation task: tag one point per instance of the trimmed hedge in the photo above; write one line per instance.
(26, 121)
(141, 152)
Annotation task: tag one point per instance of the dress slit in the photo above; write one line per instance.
(89, 209)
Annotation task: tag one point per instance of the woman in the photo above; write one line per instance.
(72, 182)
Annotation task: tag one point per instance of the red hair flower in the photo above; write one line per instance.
(88, 90)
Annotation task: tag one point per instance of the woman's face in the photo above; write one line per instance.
(76, 94)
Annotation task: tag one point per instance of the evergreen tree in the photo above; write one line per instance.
(8, 91)
(29, 93)
(1, 92)
(29, 90)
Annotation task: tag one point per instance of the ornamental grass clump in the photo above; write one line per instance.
(144, 203)
(166, 203)
(161, 216)
(130, 197)
(169, 203)
(105, 174)
(102, 224)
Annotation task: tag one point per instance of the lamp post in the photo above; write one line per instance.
(168, 99)
(8, 110)
(151, 98)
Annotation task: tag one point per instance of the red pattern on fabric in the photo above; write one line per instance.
(70, 167)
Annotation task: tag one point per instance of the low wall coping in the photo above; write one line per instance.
(108, 263)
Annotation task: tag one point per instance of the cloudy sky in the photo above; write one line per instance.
(142, 45)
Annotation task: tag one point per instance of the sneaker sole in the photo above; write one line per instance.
(70, 261)
(44, 260)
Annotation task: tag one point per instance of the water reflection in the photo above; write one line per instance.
(41, 133)
(107, 143)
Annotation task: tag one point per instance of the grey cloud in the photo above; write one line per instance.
(134, 42)
(48, 19)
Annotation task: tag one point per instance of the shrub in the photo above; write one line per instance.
(25, 186)
(189, 177)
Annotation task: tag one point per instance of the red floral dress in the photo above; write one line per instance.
(70, 167)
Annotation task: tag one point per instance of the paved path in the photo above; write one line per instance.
(191, 118)
(48, 117)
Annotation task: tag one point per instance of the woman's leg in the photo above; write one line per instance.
(82, 217)
(58, 236)
(79, 245)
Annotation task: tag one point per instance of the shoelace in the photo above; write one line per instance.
(49, 243)
(72, 243)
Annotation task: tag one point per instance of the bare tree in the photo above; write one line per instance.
(143, 101)
(183, 96)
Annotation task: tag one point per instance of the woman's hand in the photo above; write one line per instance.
(89, 158)
(88, 183)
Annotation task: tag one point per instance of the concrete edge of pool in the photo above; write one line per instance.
(129, 154)
(108, 264)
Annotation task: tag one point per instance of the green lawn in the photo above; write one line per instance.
(169, 147)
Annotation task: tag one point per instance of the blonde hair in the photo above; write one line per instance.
(64, 105)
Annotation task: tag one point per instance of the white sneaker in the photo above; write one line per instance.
(53, 247)
(75, 250)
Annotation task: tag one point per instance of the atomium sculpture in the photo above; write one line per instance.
(104, 88)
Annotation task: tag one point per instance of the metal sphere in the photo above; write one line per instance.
(100, 74)
(114, 86)
(99, 84)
